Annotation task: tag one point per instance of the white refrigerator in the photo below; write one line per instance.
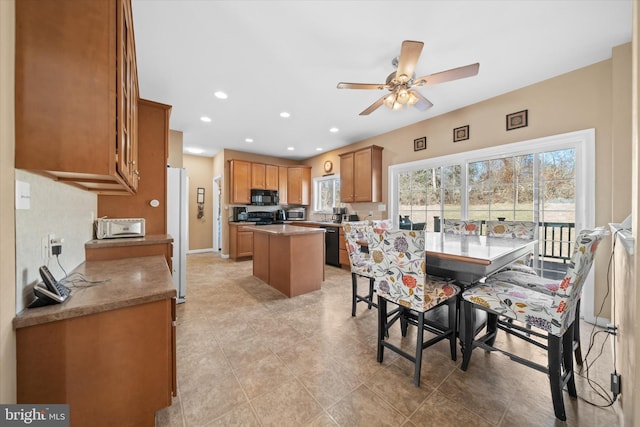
(177, 226)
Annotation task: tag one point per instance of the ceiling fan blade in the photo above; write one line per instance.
(371, 108)
(408, 59)
(446, 76)
(423, 103)
(343, 85)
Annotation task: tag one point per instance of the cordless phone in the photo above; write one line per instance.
(51, 292)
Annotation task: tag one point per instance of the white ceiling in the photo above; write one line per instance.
(274, 56)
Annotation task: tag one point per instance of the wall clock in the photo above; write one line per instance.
(328, 166)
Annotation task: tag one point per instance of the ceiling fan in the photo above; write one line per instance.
(401, 83)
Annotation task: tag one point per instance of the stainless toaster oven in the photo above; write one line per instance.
(113, 228)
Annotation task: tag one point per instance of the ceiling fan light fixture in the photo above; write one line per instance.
(390, 100)
(403, 96)
(412, 99)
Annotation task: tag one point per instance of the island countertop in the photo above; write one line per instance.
(128, 282)
(284, 229)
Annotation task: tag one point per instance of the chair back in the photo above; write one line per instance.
(384, 224)
(511, 229)
(465, 227)
(354, 232)
(570, 288)
(399, 268)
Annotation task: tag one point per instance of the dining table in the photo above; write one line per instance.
(468, 258)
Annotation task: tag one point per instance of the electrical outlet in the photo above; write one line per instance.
(45, 249)
(370, 213)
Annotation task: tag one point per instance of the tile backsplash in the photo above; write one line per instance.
(58, 209)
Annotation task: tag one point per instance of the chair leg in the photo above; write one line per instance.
(567, 356)
(555, 375)
(492, 327)
(404, 323)
(354, 293)
(371, 283)
(419, 342)
(467, 334)
(453, 325)
(575, 345)
(382, 326)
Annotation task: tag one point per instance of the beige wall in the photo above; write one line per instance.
(175, 149)
(7, 196)
(200, 173)
(578, 100)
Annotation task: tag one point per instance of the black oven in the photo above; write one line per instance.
(264, 197)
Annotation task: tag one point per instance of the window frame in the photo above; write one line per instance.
(582, 141)
(316, 192)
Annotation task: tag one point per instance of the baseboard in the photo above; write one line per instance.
(200, 251)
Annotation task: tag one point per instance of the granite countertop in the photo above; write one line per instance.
(128, 282)
(284, 229)
(151, 239)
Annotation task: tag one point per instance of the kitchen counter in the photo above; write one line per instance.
(284, 229)
(108, 351)
(288, 257)
(152, 239)
(129, 282)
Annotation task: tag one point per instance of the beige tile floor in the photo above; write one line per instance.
(248, 356)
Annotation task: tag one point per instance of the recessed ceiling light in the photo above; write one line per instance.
(221, 95)
(285, 115)
(290, 148)
(194, 150)
(319, 149)
(249, 140)
(206, 119)
(334, 130)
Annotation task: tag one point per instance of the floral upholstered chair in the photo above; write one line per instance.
(465, 227)
(399, 269)
(548, 307)
(355, 234)
(525, 230)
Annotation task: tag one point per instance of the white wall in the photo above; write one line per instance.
(61, 209)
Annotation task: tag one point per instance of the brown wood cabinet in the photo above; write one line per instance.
(298, 185)
(76, 93)
(258, 176)
(239, 182)
(240, 241)
(271, 177)
(344, 256)
(161, 244)
(282, 184)
(110, 349)
(153, 123)
(361, 175)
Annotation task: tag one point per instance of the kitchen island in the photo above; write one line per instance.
(289, 258)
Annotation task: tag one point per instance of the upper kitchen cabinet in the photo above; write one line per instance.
(264, 177)
(361, 175)
(283, 176)
(298, 185)
(77, 92)
(240, 182)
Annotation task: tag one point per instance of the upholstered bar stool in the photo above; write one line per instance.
(525, 230)
(399, 268)
(550, 313)
(354, 234)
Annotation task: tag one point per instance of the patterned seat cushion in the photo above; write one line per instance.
(514, 230)
(399, 268)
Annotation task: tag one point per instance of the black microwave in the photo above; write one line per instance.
(264, 197)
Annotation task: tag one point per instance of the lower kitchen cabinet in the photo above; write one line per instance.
(240, 241)
(344, 256)
(108, 351)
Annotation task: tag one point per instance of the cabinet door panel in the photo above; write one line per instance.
(258, 176)
(282, 185)
(362, 176)
(245, 243)
(240, 182)
(346, 178)
(271, 177)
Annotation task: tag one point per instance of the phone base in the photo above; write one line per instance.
(39, 302)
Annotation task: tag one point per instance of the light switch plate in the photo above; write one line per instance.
(23, 195)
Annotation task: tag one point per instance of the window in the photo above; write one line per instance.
(326, 192)
(548, 180)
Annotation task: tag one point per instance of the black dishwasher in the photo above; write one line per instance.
(332, 245)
